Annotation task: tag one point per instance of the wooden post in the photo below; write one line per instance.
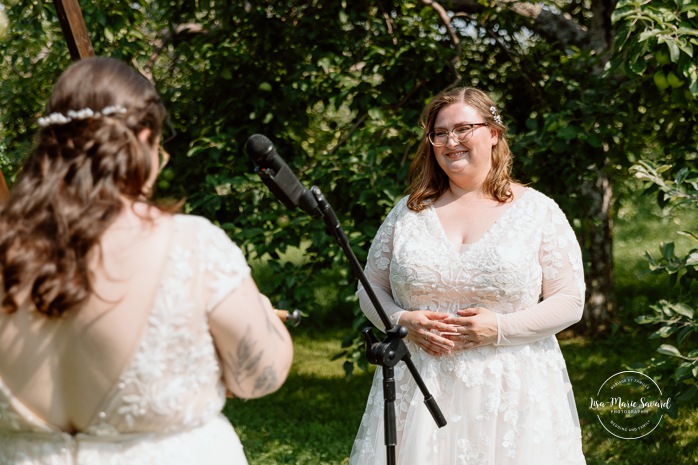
(4, 191)
(74, 29)
(79, 46)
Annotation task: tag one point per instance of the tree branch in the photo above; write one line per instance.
(515, 57)
(453, 37)
(558, 27)
(601, 30)
(552, 26)
(173, 34)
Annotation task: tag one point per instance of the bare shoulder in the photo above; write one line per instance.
(136, 227)
(518, 189)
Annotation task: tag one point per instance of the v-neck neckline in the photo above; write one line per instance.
(465, 247)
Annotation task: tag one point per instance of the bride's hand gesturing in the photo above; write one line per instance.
(474, 327)
(425, 330)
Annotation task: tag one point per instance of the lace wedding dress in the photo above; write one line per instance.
(166, 406)
(510, 403)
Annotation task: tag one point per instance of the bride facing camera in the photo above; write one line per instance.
(483, 272)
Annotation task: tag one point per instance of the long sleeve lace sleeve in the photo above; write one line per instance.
(377, 273)
(562, 288)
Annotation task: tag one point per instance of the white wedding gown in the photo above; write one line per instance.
(505, 404)
(166, 407)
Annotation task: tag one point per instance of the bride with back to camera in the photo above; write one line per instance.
(483, 272)
(122, 323)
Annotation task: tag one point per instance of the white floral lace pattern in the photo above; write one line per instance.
(172, 388)
(505, 404)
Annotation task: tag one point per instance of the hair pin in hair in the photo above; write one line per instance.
(495, 115)
(58, 118)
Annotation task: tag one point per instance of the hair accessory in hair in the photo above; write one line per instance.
(58, 118)
(497, 118)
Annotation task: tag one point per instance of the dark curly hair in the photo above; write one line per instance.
(72, 185)
(427, 181)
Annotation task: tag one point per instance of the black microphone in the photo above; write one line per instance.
(278, 177)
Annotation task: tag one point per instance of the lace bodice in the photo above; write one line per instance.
(173, 381)
(522, 257)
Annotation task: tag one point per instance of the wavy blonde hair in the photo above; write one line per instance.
(71, 186)
(427, 181)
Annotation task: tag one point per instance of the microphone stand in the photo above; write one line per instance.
(388, 352)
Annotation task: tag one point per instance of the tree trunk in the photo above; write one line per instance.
(597, 241)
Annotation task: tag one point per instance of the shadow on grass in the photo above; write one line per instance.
(590, 363)
(311, 420)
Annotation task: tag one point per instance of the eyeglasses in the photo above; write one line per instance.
(462, 133)
(163, 157)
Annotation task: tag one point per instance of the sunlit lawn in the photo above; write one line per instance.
(314, 417)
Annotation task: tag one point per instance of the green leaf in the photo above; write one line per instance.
(348, 368)
(673, 50)
(683, 309)
(666, 331)
(339, 355)
(646, 319)
(690, 234)
(667, 250)
(685, 47)
(667, 349)
(375, 114)
(568, 133)
(683, 372)
(684, 333)
(692, 259)
(682, 175)
(639, 65)
(688, 394)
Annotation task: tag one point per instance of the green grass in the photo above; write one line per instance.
(314, 417)
(640, 228)
(590, 363)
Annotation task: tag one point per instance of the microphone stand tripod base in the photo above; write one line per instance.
(387, 354)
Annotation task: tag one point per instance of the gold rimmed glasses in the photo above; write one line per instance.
(163, 157)
(461, 133)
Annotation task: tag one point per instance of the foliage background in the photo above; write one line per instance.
(339, 86)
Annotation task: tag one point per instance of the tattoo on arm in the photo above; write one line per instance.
(245, 364)
(266, 381)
